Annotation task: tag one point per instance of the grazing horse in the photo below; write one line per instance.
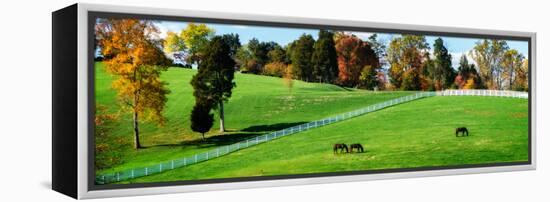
(357, 146)
(461, 130)
(342, 147)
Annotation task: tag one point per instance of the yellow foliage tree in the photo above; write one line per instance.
(470, 84)
(136, 60)
(287, 78)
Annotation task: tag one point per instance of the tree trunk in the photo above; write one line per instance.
(137, 145)
(222, 123)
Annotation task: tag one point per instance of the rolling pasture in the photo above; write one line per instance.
(415, 134)
(259, 104)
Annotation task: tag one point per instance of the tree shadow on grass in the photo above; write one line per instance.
(271, 127)
(232, 136)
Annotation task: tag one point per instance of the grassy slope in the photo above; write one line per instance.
(415, 134)
(259, 104)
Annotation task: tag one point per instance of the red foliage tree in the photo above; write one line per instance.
(353, 55)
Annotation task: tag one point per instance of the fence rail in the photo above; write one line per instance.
(224, 150)
(495, 93)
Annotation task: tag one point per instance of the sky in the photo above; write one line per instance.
(457, 46)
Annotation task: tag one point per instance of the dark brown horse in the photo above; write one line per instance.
(461, 130)
(357, 146)
(342, 147)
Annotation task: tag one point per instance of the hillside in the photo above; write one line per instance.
(415, 134)
(259, 104)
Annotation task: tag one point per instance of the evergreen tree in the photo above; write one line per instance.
(325, 65)
(213, 82)
(201, 119)
(443, 74)
(301, 57)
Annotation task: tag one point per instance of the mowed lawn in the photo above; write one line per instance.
(259, 104)
(410, 135)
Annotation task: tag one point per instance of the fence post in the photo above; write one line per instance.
(146, 171)
(246, 142)
(132, 176)
(207, 155)
(217, 152)
(160, 167)
(172, 164)
(195, 158)
(118, 177)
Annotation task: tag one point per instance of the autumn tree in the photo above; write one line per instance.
(406, 56)
(302, 49)
(201, 118)
(173, 43)
(259, 51)
(175, 46)
(368, 79)
(277, 69)
(137, 62)
(353, 56)
(512, 62)
(488, 55)
(467, 76)
(287, 78)
(521, 81)
(106, 153)
(196, 37)
(213, 83)
(323, 59)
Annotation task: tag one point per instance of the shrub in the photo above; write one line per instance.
(275, 69)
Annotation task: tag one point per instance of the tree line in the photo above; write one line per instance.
(133, 52)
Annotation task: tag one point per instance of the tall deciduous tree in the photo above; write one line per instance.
(406, 56)
(260, 50)
(488, 55)
(302, 49)
(137, 61)
(173, 43)
(511, 62)
(521, 81)
(323, 59)
(213, 83)
(353, 56)
(196, 37)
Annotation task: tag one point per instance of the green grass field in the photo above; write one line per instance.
(259, 104)
(414, 134)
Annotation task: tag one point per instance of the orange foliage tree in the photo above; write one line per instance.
(353, 55)
(136, 59)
